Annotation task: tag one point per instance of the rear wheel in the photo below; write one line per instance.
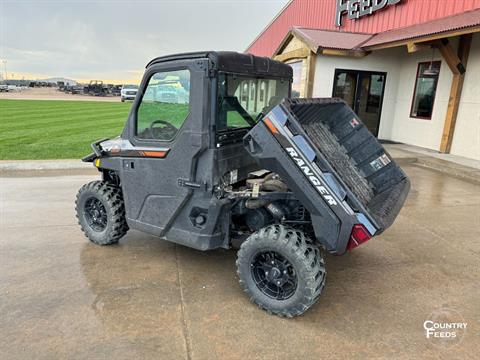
(101, 212)
(281, 270)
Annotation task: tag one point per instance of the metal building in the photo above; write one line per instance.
(409, 68)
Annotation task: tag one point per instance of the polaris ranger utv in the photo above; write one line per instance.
(214, 151)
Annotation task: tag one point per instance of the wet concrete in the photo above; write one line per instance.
(62, 297)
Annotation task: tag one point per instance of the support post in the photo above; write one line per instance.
(311, 60)
(458, 64)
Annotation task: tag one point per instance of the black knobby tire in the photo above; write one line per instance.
(108, 224)
(307, 268)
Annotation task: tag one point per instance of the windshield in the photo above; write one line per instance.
(130, 86)
(242, 98)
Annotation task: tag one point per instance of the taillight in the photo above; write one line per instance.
(358, 236)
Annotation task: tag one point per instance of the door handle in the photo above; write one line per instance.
(191, 185)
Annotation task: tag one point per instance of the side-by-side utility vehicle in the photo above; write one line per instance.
(215, 153)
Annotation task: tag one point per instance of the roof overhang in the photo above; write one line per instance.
(341, 43)
(318, 44)
(423, 39)
(450, 26)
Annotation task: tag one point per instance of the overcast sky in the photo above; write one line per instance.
(113, 40)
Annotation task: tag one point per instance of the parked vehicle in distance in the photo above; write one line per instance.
(14, 88)
(116, 90)
(96, 88)
(128, 92)
(4, 88)
(76, 89)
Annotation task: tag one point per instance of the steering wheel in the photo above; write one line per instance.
(166, 132)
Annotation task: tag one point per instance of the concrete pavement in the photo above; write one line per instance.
(53, 94)
(62, 297)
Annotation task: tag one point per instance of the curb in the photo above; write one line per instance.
(405, 160)
(446, 167)
(34, 165)
(403, 155)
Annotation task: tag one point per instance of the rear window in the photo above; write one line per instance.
(242, 98)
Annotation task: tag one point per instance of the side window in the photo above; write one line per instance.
(164, 106)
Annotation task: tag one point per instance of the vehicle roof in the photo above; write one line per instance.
(230, 61)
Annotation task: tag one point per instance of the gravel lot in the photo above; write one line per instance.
(53, 94)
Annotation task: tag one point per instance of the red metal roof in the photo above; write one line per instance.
(320, 14)
(343, 40)
(331, 39)
(454, 22)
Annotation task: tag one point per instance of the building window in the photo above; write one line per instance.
(262, 90)
(425, 89)
(297, 78)
(252, 89)
(244, 95)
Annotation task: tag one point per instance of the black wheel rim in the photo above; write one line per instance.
(95, 214)
(274, 275)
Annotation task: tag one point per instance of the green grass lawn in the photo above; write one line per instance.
(57, 129)
(41, 129)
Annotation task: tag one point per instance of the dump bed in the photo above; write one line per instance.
(346, 165)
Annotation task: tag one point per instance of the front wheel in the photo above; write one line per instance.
(281, 270)
(101, 212)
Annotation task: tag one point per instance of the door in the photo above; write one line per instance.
(165, 127)
(363, 92)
